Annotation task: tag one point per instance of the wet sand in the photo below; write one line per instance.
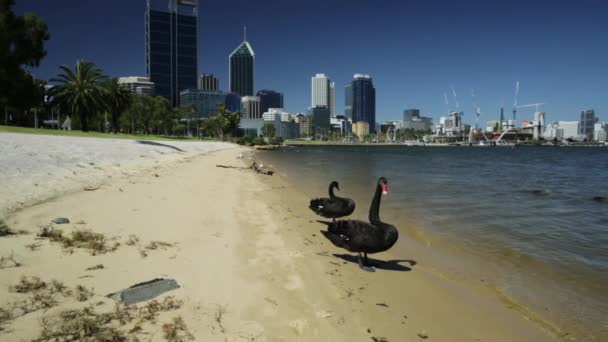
(250, 262)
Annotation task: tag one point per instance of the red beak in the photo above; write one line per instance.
(384, 188)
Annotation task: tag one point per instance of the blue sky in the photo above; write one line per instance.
(415, 51)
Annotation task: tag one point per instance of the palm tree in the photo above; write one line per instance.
(118, 98)
(81, 90)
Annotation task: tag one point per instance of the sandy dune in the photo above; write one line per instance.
(36, 167)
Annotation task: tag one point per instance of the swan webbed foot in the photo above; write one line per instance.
(367, 268)
(363, 266)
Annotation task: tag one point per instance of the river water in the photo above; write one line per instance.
(523, 220)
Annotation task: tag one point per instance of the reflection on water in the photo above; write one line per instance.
(527, 213)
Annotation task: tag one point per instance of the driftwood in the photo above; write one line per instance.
(260, 168)
(257, 167)
(232, 167)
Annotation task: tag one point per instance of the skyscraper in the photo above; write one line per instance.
(208, 82)
(364, 101)
(269, 99)
(348, 100)
(171, 47)
(241, 70)
(323, 93)
(587, 122)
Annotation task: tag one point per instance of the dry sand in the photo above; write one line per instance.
(250, 260)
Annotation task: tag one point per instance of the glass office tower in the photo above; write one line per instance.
(171, 47)
(241, 69)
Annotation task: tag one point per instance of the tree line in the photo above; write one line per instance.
(93, 100)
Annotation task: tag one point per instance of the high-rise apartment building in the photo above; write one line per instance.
(241, 70)
(587, 122)
(323, 93)
(171, 47)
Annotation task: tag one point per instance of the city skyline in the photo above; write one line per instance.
(412, 65)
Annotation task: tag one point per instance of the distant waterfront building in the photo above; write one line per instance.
(587, 122)
(285, 126)
(361, 129)
(171, 48)
(242, 67)
(493, 126)
(321, 120)
(539, 125)
(409, 114)
(250, 107)
(364, 101)
(138, 85)
(206, 103)
(341, 123)
(233, 102)
(600, 132)
(413, 120)
(251, 127)
(270, 99)
(208, 82)
(323, 93)
(306, 125)
(273, 114)
(569, 130)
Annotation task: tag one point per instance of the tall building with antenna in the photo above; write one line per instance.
(171, 47)
(242, 68)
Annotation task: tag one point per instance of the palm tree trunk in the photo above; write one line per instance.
(83, 122)
(115, 122)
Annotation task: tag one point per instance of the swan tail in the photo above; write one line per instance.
(317, 205)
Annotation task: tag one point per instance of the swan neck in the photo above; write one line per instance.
(331, 190)
(374, 209)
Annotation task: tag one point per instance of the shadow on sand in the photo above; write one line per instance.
(154, 143)
(390, 265)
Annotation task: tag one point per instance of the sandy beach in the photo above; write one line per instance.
(244, 248)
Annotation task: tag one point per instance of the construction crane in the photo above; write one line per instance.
(515, 101)
(532, 105)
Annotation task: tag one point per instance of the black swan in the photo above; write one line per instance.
(333, 207)
(362, 237)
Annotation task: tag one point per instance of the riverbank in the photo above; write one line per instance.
(249, 260)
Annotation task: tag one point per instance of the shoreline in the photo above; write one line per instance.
(250, 261)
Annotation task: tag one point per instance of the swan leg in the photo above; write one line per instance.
(363, 266)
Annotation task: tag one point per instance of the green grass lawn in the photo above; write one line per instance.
(45, 131)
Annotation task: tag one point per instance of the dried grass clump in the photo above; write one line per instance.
(9, 261)
(82, 294)
(177, 331)
(150, 311)
(28, 284)
(133, 240)
(88, 325)
(80, 325)
(96, 243)
(5, 317)
(96, 267)
(5, 230)
(153, 245)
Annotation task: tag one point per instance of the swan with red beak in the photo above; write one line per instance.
(362, 237)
